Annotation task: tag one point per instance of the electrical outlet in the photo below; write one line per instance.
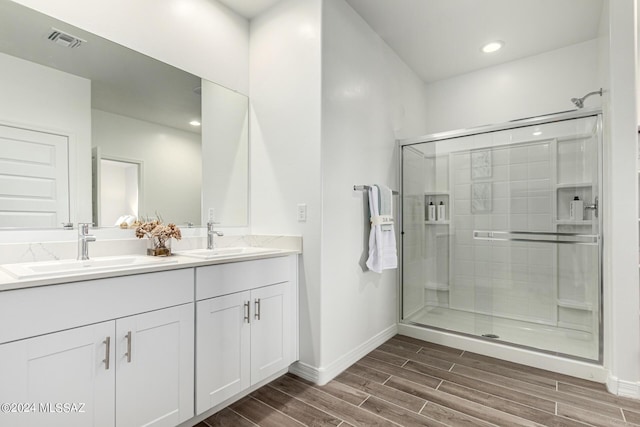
(302, 212)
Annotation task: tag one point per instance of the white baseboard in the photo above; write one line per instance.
(623, 388)
(323, 375)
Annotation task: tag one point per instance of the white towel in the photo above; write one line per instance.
(382, 238)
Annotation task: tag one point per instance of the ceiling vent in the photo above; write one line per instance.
(65, 39)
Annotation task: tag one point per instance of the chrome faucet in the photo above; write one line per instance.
(83, 239)
(211, 233)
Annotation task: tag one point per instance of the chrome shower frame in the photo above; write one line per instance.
(514, 124)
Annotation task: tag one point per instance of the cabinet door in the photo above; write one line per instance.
(68, 367)
(154, 358)
(272, 329)
(223, 349)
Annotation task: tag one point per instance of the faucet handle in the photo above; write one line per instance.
(83, 227)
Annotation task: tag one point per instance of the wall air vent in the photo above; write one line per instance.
(64, 39)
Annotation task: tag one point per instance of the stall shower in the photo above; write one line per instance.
(501, 233)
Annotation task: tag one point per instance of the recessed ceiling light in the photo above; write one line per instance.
(194, 123)
(492, 46)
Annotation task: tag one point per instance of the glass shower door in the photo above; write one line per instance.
(514, 255)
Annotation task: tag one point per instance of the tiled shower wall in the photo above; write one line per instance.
(519, 180)
(503, 189)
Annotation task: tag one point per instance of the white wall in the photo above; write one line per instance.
(172, 176)
(621, 296)
(45, 99)
(225, 156)
(533, 86)
(202, 37)
(300, 154)
(370, 98)
(285, 144)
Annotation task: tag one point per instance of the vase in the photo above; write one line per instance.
(157, 247)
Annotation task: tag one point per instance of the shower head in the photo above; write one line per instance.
(579, 102)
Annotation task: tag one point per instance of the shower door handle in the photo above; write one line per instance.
(540, 237)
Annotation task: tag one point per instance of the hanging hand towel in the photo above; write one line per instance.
(382, 238)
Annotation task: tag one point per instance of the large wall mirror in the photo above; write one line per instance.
(93, 131)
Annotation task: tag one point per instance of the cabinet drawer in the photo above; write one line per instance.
(35, 311)
(223, 279)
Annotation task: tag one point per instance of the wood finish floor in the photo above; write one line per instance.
(407, 382)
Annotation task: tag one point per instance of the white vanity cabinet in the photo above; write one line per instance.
(62, 367)
(154, 368)
(120, 348)
(246, 323)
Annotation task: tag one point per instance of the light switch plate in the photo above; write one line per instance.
(302, 212)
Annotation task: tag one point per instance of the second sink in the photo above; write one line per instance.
(224, 252)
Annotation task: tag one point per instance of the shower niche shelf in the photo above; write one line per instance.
(574, 185)
(443, 287)
(573, 222)
(575, 305)
(565, 194)
(436, 197)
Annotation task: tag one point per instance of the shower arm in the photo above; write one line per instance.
(579, 102)
(597, 92)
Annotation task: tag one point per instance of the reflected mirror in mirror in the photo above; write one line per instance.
(106, 102)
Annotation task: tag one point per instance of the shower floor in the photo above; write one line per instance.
(542, 337)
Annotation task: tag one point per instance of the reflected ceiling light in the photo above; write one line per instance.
(537, 133)
(492, 46)
(194, 123)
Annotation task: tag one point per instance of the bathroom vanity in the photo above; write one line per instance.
(154, 345)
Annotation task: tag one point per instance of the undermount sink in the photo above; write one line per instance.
(224, 252)
(29, 270)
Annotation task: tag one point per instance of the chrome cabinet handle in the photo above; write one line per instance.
(257, 315)
(247, 308)
(107, 343)
(128, 353)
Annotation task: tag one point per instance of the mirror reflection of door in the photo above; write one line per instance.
(34, 178)
(117, 190)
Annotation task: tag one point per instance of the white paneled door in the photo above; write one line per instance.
(63, 379)
(271, 330)
(34, 178)
(154, 361)
(223, 350)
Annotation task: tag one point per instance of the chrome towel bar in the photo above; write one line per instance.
(366, 188)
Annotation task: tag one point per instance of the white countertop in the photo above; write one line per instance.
(8, 282)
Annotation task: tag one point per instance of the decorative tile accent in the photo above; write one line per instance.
(481, 164)
(481, 197)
